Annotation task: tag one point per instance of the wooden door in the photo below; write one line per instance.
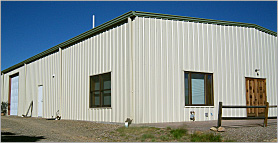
(255, 96)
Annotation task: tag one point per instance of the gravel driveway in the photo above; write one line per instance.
(38, 129)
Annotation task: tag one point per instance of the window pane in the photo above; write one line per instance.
(95, 82)
(97, 98)
(198, 88)
(209, 90)
(106, 81)
(186, 89)
(106, 97)
(91, 100)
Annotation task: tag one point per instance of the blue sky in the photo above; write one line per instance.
(28, 28)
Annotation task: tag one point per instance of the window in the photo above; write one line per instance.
(100, 90)
(198, 89)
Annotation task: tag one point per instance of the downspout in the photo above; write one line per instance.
(132, 115)
(60, 109)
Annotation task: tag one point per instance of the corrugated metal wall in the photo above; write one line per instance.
(106, 52)
(21, 88)
(164, 49)
(41, 72)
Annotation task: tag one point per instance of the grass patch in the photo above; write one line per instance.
(151, 134)
(147, 136)
(164, 138)
(206, 137)
(178, 133)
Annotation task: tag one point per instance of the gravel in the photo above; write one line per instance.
(43, 130)
(38, 129)
(251, 134)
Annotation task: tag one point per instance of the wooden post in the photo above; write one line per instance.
(31, 109)
(266, 114)
(219, 114)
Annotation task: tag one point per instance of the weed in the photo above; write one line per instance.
(178, 133)
(153, 140)
(168, 128)
(146, 136)
(164, 138)
(229, 140)
(205, 138)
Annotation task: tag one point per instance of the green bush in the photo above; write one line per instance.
(178, 133)
(4, 107)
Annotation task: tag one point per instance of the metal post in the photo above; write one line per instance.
(266, 114)
(93, 25)
(219, 114)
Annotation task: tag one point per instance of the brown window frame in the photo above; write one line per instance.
(205, 83)
(101, 90)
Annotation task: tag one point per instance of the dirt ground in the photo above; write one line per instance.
(237, 130)
(38, 129)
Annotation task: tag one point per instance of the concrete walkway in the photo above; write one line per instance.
(206, 125)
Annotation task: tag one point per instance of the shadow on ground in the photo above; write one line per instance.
(11, 137)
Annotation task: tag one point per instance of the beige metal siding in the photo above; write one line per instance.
(161, 50)
(21, 89)
(164, 49)
(106, 52)
(41, 72)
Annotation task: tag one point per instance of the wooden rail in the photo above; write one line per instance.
(220, 118)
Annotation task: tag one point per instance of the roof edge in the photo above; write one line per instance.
(203, 20)
(79, 37)
(124, 17)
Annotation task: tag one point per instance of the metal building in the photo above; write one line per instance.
(151, 68)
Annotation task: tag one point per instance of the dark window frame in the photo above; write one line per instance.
(207, 98)
(100, 90)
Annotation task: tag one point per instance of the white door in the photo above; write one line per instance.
(40, 100)
(14, 96)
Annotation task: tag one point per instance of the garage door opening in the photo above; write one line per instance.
(13, 95)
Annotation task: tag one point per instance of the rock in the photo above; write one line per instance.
(272, 140)
(221, 129)
(198, 132)
(213, 129)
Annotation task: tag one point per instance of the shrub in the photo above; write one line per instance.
(4, 107)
